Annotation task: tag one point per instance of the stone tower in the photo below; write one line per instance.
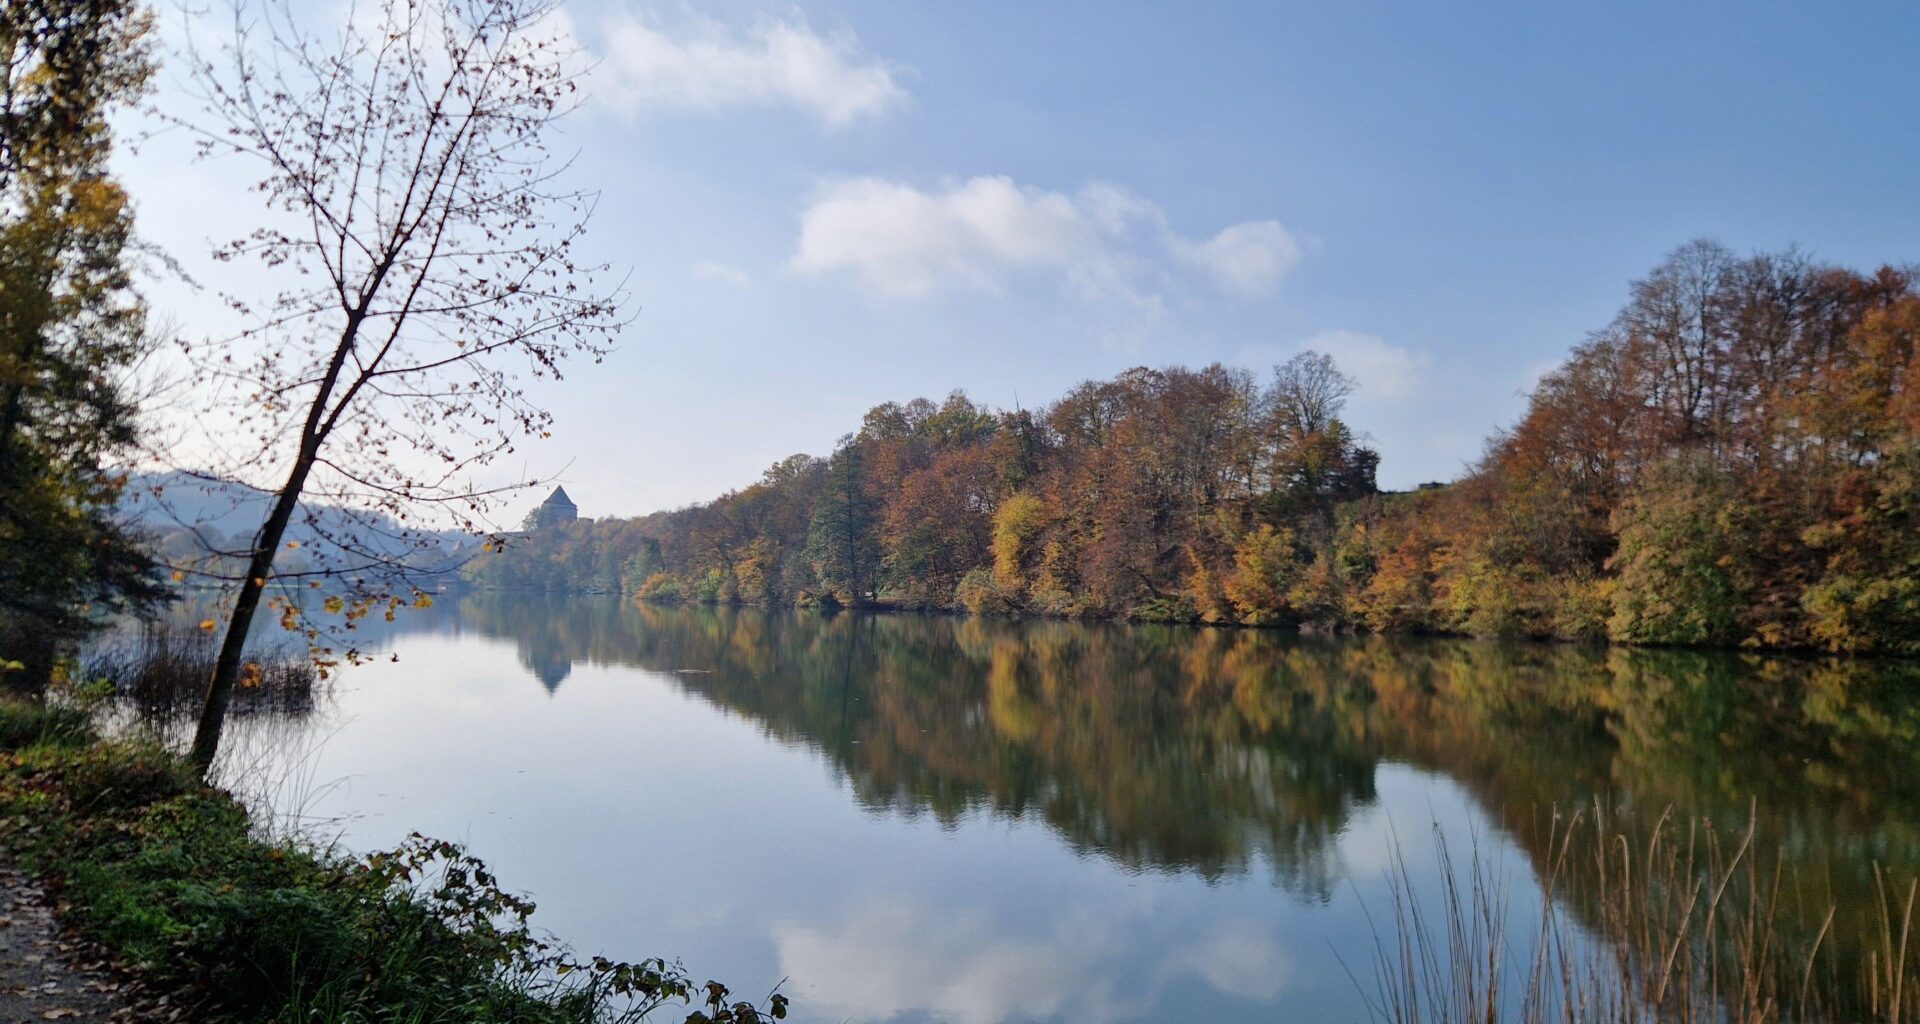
(557, 510)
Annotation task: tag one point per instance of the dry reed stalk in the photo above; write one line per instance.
(1680, 928)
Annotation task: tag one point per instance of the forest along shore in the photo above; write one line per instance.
(1733, 461)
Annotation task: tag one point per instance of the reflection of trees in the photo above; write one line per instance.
(1173, 748)
(1117, 737)
(1168, 748)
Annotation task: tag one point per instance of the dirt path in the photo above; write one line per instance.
(41, 978)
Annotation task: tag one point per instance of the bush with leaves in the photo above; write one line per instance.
(170, 877)
(1682, 572)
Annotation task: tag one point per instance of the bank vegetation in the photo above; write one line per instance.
(1733, 460)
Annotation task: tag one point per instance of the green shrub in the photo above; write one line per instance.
(1683, 560)
(715, 586)
(1868, 595)
(1166, 608)
(982, 593)
(26, 723)
(105, 779)
(1486, 599)
(1266, 568)
(1581, 606)
(169, 876)
(662, 588)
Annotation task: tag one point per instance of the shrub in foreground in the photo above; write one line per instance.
(169, 877)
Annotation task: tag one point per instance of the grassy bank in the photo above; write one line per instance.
(170, 878)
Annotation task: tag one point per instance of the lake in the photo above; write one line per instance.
(927, 818)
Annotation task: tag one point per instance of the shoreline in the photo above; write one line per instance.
(175, 886)
(1798, 651)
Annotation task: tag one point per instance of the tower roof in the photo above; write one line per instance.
(559, 497)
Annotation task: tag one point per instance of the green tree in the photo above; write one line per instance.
(71, 325)
(1682, 563)
(840, 543)
(1265, 570)
(1868, 598)
(1312, 461)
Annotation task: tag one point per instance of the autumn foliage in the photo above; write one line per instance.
(1734, 460)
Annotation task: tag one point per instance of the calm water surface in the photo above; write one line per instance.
(910, 818)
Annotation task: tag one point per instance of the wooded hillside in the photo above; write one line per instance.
(1735, 459)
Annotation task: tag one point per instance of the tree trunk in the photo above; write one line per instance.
(226, 671)
(11, 416)
(266, 544)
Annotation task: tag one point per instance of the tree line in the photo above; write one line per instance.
(1733, 460)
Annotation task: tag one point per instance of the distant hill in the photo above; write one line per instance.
(189, 517)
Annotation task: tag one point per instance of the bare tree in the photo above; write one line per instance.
(1679, 314)
(1307, 394)
(424, 258)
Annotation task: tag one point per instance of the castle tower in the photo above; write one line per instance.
(556, 510)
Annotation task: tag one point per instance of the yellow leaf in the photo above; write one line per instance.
(292, 544)
(208, 624)
(334, 605)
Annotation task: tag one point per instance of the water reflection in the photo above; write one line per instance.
(892, 960)
(1205, 750)
(1195, 762)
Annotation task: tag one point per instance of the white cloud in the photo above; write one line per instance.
(903, 241)
(1103, 241)
(1108, 960)
(899, 959)
(708, 270)
(1385, 372)
(1240, 958)
(1249, 258)
(706, 66)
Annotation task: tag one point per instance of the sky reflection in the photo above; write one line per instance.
(946, 820)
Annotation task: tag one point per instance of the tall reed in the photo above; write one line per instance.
(160, 670)
(1675, 922)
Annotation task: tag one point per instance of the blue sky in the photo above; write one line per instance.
(833, 204)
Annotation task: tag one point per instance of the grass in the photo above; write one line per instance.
(171, 878)
(28, 724)
(1675, 923)
(161, 671)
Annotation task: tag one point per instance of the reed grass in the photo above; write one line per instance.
(1677, 922)
(160, 671)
